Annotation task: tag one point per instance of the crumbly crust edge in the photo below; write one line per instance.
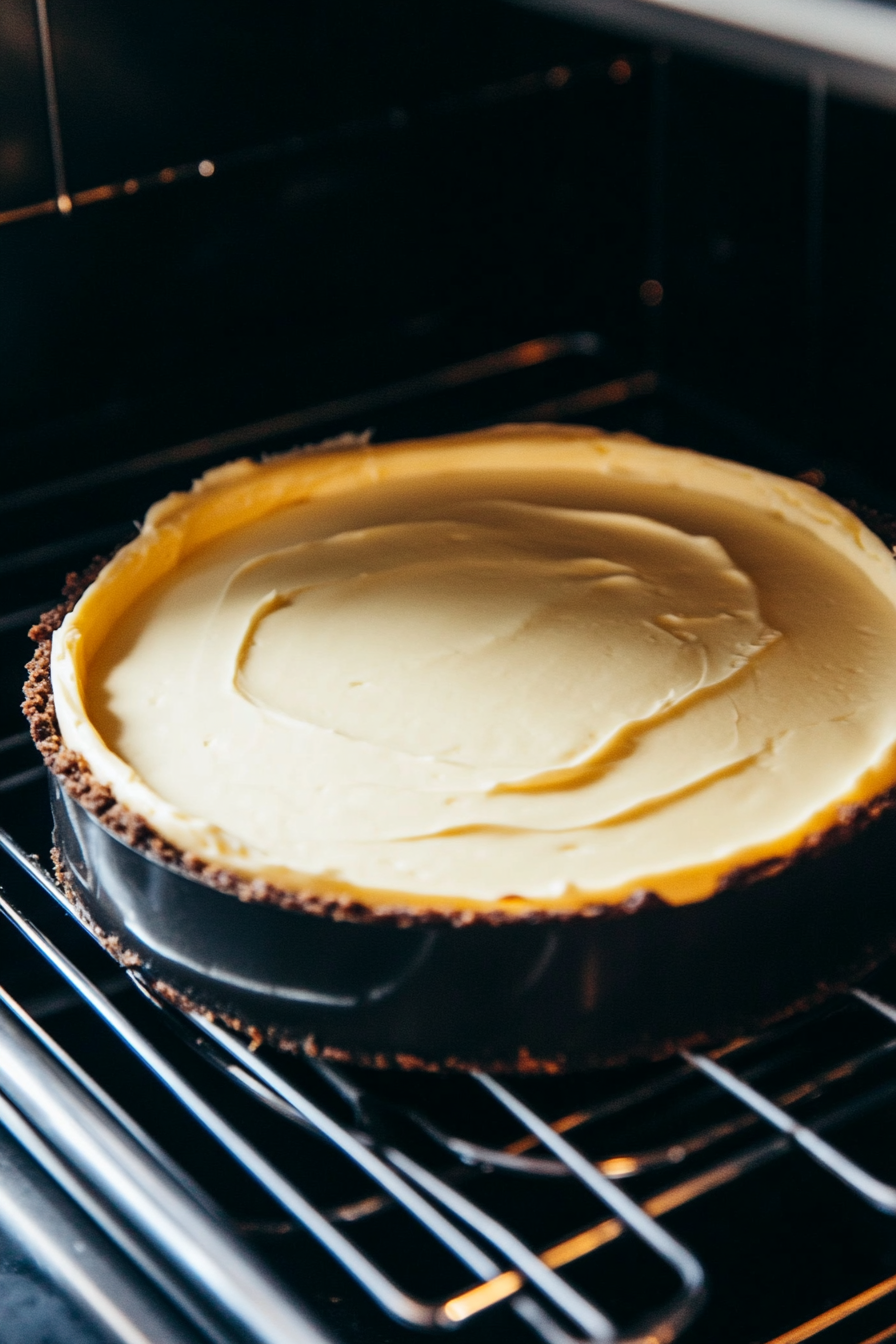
(524, 1062)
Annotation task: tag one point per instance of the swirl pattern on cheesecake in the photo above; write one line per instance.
(540, 664)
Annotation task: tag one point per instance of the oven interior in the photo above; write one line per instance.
(229, 231)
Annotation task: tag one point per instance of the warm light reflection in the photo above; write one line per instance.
(836, 1314)
(529, 1141)
(504, 1285)
(28, 211)
(651, 292)
(582, 1244)
(469, 1304)
(881, 1336)
(558, 75)
(529, 352)
(534, 83)
(94, 194)
(614, 1167)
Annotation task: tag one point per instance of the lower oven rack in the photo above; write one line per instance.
(510, 1184)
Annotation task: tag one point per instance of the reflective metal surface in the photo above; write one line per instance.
(550, 994)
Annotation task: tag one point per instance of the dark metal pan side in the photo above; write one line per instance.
(549, 995)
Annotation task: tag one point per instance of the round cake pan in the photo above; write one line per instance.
(543, 994)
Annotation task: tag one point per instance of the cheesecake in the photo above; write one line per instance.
(528, 673)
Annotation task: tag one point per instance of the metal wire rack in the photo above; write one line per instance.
(542, 1209)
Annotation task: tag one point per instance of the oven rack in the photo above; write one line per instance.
(734, 1111)
(269, 1086)
(390, 122)
(48, 1138)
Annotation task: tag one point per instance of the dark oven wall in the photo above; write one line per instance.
(396, 186)
(278, 204)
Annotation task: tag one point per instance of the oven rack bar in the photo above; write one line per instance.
(500, 1285)
(524, 355)
(63, 201)
(618, 1166)
(876, 1192)
(389, 122)
(133, 1192)
(365, 1272)
(340, 413)
(722, 1173)
(69, 1247)
(533, 1269)
(628, 1213)
(827, 1320)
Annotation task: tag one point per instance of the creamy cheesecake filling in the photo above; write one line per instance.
(533, 663)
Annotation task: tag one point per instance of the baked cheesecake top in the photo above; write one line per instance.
(537, 664)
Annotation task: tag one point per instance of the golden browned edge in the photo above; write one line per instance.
(76, 777)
